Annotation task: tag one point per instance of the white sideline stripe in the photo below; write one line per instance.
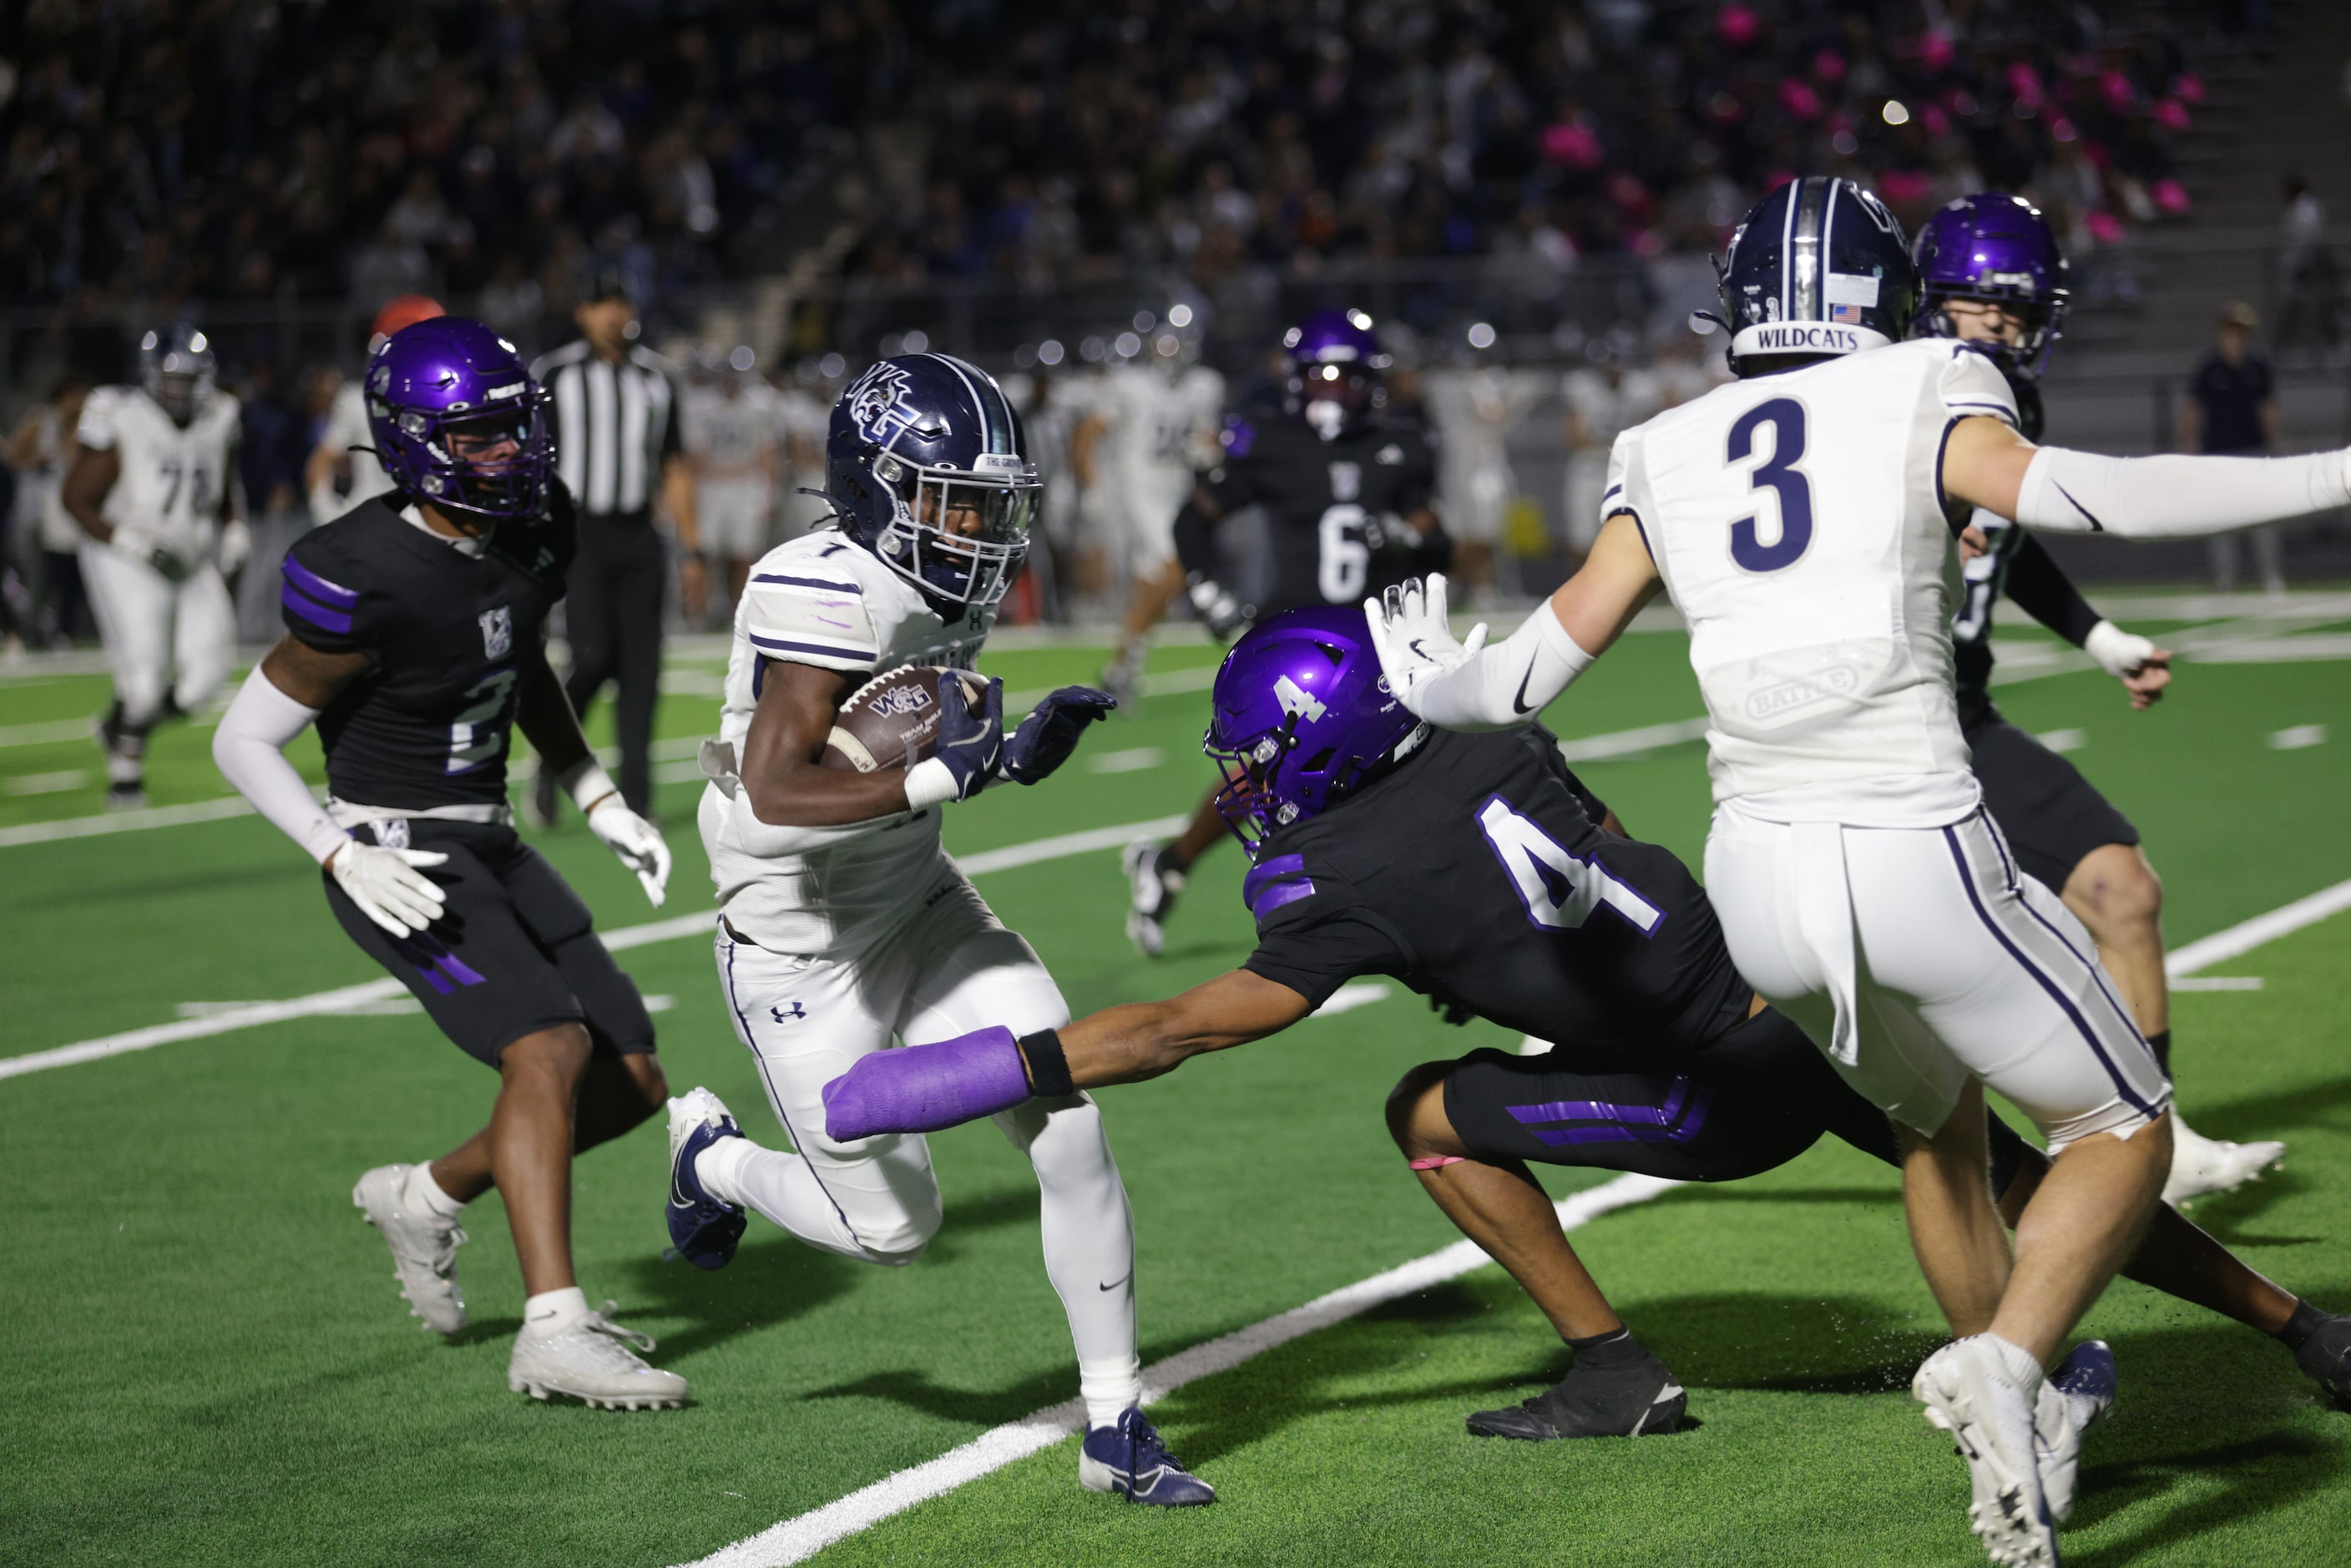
(798, 1539)
(2238, 940)
(1631, 742)
(125, 821)
(372, 993)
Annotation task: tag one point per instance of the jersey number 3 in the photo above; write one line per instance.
(1560, 890)
(1779, 473)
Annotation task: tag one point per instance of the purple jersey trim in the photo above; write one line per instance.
(318, 587)
(1280, 894)
(809, 582)
(823, 650)
(1678, 1121)
(317, 614)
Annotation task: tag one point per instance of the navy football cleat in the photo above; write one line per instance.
(1130, 1459)
(2087, 1378)
(2325, 1355)
(702, 1230)
(1636, 1401)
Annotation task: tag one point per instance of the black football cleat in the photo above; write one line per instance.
(1639, 1400)
(2325, 1356)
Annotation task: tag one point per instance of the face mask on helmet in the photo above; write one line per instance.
(458, 423)
(1335, 396)
(175, 366)
(963, 534)
(487, 463)
(1992, 273)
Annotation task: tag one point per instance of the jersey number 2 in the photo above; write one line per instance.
(1779, 473)
(1560, 890)
(475, 736)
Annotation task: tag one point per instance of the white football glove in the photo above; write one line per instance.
(637, 842)
(149, 551)
(386, 885)
(2118, 652)
(1415, 643)
(236, 546)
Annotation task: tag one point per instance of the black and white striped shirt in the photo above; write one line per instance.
(615, 425)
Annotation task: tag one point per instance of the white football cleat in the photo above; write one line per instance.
(423, 1248)
(2076, 1397)
(1990, 1410)
(1152, 890)
(587, 1362)
(2200, 1164)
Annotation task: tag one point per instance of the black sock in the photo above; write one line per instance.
(2306, 1321)
(1618, 1347)
(2159, 1042)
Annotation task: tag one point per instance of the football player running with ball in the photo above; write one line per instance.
(1993, 275)
(1803, 519)
(149, 487)
(846, 924)
(1484, 875)
(1350, 503)
(413, 642)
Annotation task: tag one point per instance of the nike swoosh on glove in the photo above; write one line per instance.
(924, 1088)
(1413, 640)
(1050, 732)
(970, 750)
(637, 843)
(387, 887)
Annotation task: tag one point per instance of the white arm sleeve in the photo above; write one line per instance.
(2176, 497)
(770, 840)
(250, 748)
(1508, 683)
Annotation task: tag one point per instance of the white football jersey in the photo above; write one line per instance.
(1162, 428)
(1797, 520)
(172, 479)
(347, 435)
(734, 435)
(825, 600)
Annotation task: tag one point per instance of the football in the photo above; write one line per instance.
(892, 720)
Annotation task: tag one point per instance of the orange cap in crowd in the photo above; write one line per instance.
(403, 310)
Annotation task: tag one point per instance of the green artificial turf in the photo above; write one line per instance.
(211, 1362)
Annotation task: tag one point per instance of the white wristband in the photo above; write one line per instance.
(587, 783)
(2118, 652)
(929, 782)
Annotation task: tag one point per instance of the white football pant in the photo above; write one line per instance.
(161, 636)
(1917, 958)
(733, 516)
(950, 969)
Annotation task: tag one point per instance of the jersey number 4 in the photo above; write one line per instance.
(1778, 474)
(1559, 889)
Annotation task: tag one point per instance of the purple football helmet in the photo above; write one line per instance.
(1300, 716)
(458, 421)
(2001, 250)
(1336, 370)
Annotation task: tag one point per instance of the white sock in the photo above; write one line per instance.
(780, 1188)
(421, 1191)
(1089, 1236)
(2019, 1360)
(552, 1312)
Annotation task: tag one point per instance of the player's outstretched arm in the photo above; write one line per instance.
(1987, 464)
(2038, 584)
(543, 712)
(1468, 685)
(923, 1087)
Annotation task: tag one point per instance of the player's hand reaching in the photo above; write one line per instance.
(637, 843)
(970, 747)
(1049, 734)
(1415, 643)
(236, 546)
(387, 885)
(2143, 668)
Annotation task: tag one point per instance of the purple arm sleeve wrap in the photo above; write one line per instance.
(923, 1087)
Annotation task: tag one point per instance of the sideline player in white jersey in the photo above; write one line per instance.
(1159, 420)
(151, 487)
(733, 430)
(1802, 520)
(346, 450)
(845, 922)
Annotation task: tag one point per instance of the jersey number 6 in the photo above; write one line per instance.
(1786, 418)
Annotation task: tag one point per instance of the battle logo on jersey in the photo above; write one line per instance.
(878, 404)
(497, 631)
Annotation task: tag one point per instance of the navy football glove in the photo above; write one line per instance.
(970, 747)
(1048, 735)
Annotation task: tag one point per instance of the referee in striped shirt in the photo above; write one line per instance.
(619, 450)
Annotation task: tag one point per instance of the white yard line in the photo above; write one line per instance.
(797, 1539)
(125, 821)
(2238, 940)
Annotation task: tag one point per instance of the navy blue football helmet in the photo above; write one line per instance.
(1819, 267)
(926, 465)
(177, 367)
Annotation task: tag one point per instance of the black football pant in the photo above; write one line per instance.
(613, 605)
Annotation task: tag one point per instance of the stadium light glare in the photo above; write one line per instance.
(1895, 112)
(1481, 334)
(1049, 353)
(1179, 315)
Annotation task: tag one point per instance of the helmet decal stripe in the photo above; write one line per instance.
(1787, 249)
(1804, 261)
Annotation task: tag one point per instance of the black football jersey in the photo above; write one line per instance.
(444, 634)
(1324, 502)
(1477, 874)
(1986, 577)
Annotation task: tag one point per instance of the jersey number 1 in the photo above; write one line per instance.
(1779, 473)
(1560, 890)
